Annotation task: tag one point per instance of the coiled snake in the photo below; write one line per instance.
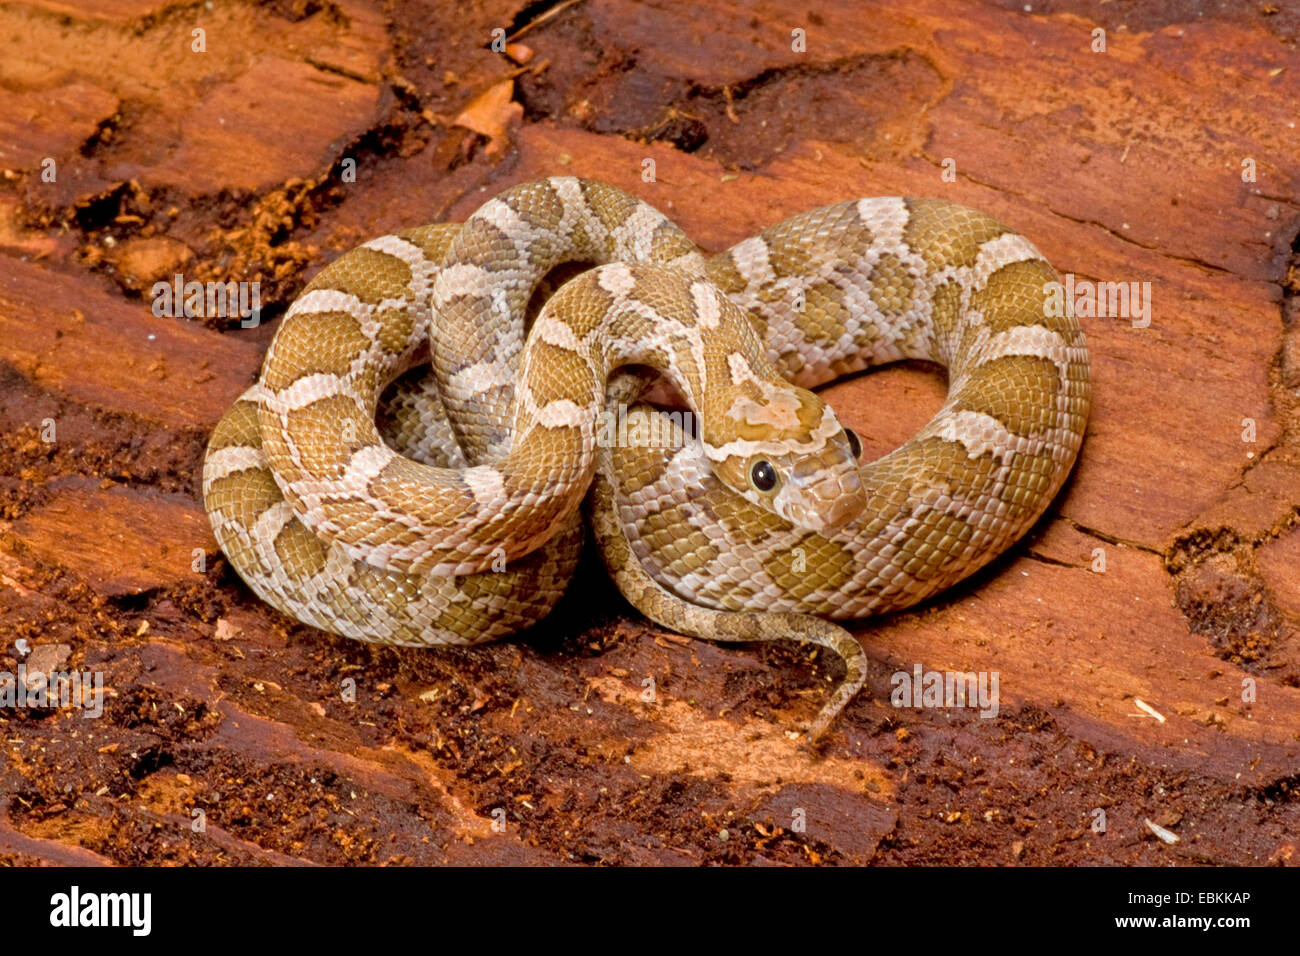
(457, 518)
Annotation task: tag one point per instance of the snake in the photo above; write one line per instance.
(444, 411)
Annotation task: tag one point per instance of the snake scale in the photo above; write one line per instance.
(411, 465)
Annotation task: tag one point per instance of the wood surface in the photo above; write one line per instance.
(235, 164)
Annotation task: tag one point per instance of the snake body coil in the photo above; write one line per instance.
(455, 519)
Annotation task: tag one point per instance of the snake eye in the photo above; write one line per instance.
(855, 443)
(762, 475)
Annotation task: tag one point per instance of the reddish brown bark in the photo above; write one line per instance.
(232, 164)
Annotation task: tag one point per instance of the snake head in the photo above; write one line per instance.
(808, 475)
(821, 490)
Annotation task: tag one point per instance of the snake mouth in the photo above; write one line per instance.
(827, 517)
(842, 511)
(823, 499)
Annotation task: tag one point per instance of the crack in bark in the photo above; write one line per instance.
(1109, 538)
(1054, 562)
(1217, 583)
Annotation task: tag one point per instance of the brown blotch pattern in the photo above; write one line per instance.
(799, 255)
(567, 375)
(723, 273)
(945, 313)
(542, 458)
(369, 274)
(396, 328)
(434, 241)
(1017, 390)
(638, 467)
(892, 285)
(324, 343)
(317, 432)
(537, 204)
(611, 207)
(825, 314)
(946, 235)
(484, 244)
(789, 567)
(677, 547)
(666, 297)
(238, 428)
(301, 553)
(1004, 299)
(244, 495)
(668, 243)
